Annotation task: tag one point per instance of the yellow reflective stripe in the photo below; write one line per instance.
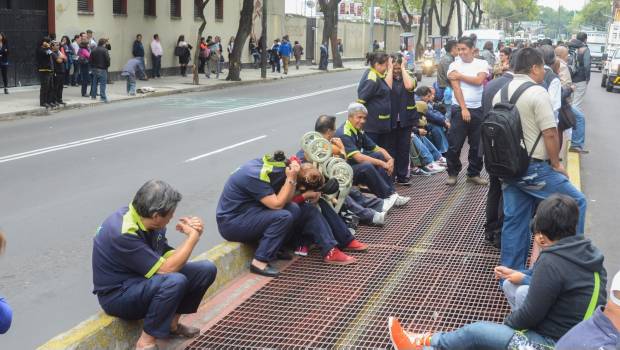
(594, 298)
(372, 70)
(155, 268)
(359, 100)
(376, 148)
(409, 108)
(268, 168)
(352, 153)
(383, 117)
(349, 129)
(132, 222)
(372, 76)
(168, 254)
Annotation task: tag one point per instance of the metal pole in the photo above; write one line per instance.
(385, 26)
(263, 54)
(372, 23)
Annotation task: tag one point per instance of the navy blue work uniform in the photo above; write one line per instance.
(126, 258)
(404, 117)
(240, 215)
(356, 141)
(324, 225)
(374, 93)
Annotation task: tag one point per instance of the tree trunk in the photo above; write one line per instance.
(405, 24)
(201, 13)
(245, 26)
(330, 28)
(419, 47)
(444, 30)
(459, 19)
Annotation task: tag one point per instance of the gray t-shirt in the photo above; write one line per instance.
(535, 111)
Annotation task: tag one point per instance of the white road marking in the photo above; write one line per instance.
(225, 148)
(106, 137)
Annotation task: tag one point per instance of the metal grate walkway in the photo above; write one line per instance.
(428, 266)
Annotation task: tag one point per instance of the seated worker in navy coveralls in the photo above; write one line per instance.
(369, 209)
(137, 275)
(372, 165)
(255, 206)
(319, 221)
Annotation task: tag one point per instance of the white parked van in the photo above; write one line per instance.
(484, 35)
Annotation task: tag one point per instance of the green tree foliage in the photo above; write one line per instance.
(556, 21)
(512, 11)
(595, 14)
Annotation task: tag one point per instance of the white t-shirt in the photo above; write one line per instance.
(471, 93)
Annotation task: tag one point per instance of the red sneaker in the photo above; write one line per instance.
(337, 257)
(356, 246)
(403, 340)
(302, 250)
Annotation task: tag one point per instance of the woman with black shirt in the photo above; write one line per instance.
(183, 51)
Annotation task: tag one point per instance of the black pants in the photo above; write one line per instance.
(459, 130)
(156, 66)
(398, 145)
(381, 139)
(495, 208)
(85, 77)
(5, 78)
(59, 81)
(201, 65)
(46, 93)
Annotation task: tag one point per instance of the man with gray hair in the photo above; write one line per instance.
(137, 275)
(372, 165)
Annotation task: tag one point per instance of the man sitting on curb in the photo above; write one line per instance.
(137, 275)
(372, 165)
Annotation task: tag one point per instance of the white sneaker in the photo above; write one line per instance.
(435, 167)
(378, 218)
(400, 201)
(442, 161)
(388, 203)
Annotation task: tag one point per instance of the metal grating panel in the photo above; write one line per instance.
(429, 266)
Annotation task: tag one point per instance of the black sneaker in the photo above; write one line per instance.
(403, 182)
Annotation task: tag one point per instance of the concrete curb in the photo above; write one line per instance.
(40, 111)
(101, 331)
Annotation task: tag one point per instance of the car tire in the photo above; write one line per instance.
(604, 81)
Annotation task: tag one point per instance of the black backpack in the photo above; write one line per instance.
(505, 153)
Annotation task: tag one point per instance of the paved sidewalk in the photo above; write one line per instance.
(24, 101)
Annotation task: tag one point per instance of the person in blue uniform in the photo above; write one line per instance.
(372, 165)
(255, 206)
(137, 275)
(373, 92)
(403, 118)
(6, 314)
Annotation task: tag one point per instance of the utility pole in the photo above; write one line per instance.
(385, 17)
(263, 54)
(372, 24)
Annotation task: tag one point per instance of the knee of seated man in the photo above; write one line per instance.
(208, 270)
(173, 281)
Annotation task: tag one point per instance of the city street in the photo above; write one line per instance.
(63, 174)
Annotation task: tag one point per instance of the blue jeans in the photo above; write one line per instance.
(131, 84)
(159, 298)
(100, 78)
(482, 336)
(425, 155)
(520, 199)
(579, 131)
(437, 135)
(363, 206)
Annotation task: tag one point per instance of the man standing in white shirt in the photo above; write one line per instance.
(466, 76)
(156, 53)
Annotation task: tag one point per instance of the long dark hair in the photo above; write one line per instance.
(66, 39)
(4, 39)
(181, 38)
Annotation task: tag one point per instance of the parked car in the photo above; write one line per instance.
(611, 74)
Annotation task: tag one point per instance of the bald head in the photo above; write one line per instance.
(561, 52)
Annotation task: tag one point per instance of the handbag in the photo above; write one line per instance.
(178, 51)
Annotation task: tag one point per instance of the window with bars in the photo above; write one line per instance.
(175, 8)
(150, 8)
(196, 10)
(85, 5)
(219, 9)
(119, 7)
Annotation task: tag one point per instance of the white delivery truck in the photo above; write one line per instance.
(597, 42)
(613, 37)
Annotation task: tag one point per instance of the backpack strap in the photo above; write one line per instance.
(594, 299)
(520, 90)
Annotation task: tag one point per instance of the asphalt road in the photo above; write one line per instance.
(600, 169)
(64, 174)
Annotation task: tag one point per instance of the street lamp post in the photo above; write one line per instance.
(372, 23)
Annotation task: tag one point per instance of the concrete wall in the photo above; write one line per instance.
(122, 29)
(355, 35)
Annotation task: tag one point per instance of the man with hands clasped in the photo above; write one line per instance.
(137, 275)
